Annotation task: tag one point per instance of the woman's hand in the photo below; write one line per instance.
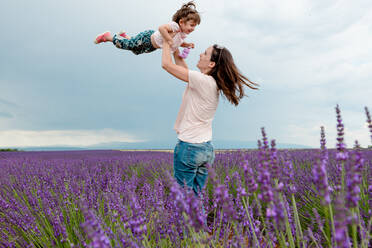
(178, 59)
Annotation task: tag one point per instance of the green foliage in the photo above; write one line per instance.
(8, 150)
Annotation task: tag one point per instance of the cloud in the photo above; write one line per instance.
(24, 138)
(7, 103)
(307, 56)
(309, 134)
(5, 115)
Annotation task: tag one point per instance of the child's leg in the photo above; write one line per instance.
(123, 34)
(106, 36)
(123, 43)
(138, 44)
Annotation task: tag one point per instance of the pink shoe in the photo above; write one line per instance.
(102, 37)
(124, 35)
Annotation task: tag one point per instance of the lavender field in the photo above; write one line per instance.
(253, 198)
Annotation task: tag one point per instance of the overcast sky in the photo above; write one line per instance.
(58, 88)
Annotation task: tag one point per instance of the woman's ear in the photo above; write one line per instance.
(212, 64)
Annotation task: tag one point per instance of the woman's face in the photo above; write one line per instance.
(205, 64)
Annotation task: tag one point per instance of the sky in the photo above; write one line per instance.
(59, 88)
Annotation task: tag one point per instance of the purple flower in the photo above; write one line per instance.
(274, 160)
(249, 178)
(264, 139)
(94, 230)
(342, 154)
(341, 237)
(319, 171)
(137, 222)
(223, 200)
(369, 121)
(354, 178)
(264, 177)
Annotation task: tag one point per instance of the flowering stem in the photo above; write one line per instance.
(261, 216)
(355, 240)
(287, 226)
(226, 233)
(362, 242)
(313, 239)
(250, 222)
(259, 210)
(343, 178)
(298, 224)
(369, 228)
(332, 221)
(220, 225)
(354, 228)
(279, 236)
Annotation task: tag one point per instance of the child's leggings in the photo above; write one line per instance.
(141, 43)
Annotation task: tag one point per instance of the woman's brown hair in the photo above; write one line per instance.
(187, 12)
(229, 79)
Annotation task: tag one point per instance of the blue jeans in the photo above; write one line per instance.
(190, 160)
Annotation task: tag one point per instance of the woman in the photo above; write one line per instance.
(218, 74)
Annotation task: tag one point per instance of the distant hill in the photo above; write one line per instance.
(218, 144)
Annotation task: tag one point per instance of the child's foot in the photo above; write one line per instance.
(124, 35)
(102, 37)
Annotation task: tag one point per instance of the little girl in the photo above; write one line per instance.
(183, 23)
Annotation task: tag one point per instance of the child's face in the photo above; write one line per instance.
(187, 26)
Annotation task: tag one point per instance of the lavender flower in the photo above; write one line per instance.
(223, 200)
(266, 193)
(319, 171)
(323, 143)
(137, 222)
(249, 178)
(94, 230)
(354, 178)
(342, 154)
(369, 121)
(274, 160)
(341, 238)
(264, 177)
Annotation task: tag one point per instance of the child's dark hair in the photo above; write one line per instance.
(187, 12)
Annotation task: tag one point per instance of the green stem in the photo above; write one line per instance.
(327, 226)
(314, 241)
(362, 242)
(299, 233)
(280, 237)
(262, 217)
(332, 221)
(250, 223)
(287, 226)
(220, 226)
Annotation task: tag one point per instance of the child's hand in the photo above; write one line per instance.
(188, 45)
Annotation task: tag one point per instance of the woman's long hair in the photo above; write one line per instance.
(229, 80)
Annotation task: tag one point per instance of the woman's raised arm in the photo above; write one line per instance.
(179, 71)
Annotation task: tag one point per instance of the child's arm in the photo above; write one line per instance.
(179, 61)
(164, 31)
(189, 45)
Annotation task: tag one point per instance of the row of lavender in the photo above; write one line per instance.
(259, 198)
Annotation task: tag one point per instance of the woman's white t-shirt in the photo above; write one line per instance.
(199, 104)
